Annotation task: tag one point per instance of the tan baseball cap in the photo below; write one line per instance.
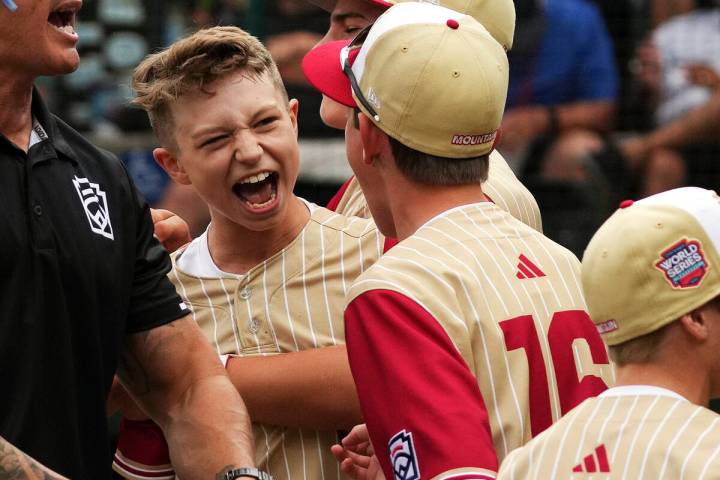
(653, 261)
(497, 16)
(428, 76)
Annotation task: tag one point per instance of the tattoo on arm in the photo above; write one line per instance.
(142, 349)
(15, 465)
(131, 369)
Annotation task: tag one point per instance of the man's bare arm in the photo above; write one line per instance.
(16, 465)
(175, 376)
(308, 389)
(701, 124)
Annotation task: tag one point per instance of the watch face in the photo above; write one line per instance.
(125, 49)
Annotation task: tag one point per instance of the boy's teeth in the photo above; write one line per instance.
(256, 178)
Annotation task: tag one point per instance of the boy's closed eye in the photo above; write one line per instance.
(213, 140)
(264, 122)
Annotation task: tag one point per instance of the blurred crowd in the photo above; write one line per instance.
(607, 99)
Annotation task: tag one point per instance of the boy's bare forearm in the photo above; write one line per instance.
(16, 465)
(307, 389)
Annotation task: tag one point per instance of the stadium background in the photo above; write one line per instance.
(116, 34)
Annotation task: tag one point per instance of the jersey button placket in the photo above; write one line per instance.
(246, 293)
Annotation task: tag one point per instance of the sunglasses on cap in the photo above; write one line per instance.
(356, 44)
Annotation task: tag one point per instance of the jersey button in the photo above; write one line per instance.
(245, 293)
(37, 209)
(254, 325)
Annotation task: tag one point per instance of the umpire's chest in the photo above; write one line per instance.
(59, 216)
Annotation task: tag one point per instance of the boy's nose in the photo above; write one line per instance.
(247, 149)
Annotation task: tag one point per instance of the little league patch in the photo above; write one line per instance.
(683, 264)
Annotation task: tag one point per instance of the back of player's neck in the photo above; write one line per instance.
(418, 204)
(689, 383)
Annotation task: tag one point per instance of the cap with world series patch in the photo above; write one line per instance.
(428, 76)
(653, 261)
(497, 16)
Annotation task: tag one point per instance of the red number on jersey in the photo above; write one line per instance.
(565, 327)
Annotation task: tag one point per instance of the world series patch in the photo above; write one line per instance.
(683, 264)
(402, 456)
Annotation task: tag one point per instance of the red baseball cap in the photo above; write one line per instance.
(324, 71)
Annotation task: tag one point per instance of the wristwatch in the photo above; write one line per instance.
(246, 473)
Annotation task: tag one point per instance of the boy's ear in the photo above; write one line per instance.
(170, 164)
(697, 323)
(293, 106)
(375, 142)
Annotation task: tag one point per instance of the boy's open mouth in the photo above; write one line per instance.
(257, 191)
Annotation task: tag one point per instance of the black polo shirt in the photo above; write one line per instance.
(79, 269)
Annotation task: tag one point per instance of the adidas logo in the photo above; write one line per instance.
(527, 269)
(596, 462)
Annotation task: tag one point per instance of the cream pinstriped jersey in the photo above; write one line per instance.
(634, 437)
(502, 186)
(293, 301)
(493, 283)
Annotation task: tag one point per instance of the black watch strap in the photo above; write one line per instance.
(246, 472)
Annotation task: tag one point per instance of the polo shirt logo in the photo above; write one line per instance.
(94, 202)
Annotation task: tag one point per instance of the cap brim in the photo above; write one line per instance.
(329, 5)
(322, 68)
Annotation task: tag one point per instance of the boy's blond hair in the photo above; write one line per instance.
(190, 64)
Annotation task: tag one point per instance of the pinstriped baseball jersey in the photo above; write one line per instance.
(642, 435)
(475, 319)
(502, 187)
(292, 301)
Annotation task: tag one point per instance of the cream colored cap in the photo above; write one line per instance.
(436, 78)
(498, 16)
(653, 261)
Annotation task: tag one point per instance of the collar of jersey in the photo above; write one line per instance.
(634, 390)
(195, 260)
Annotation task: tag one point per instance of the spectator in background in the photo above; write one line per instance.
(563, 82)
(679, 68)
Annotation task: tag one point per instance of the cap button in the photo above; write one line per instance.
(626, 203)
(452, 23)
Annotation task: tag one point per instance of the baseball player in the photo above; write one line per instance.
(347, 17)
(651, 280)
(270, 274)
(471, 335)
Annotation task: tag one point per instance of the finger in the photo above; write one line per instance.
(353, 471)
(158, 214)
(358, 434)
(172, 232)
(338, 452)
(358, 459)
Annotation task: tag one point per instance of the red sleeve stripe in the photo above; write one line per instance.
(466, 476)
(134, 471)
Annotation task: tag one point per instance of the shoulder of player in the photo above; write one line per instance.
(521, 457)
(342, 225)
(404, 272)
